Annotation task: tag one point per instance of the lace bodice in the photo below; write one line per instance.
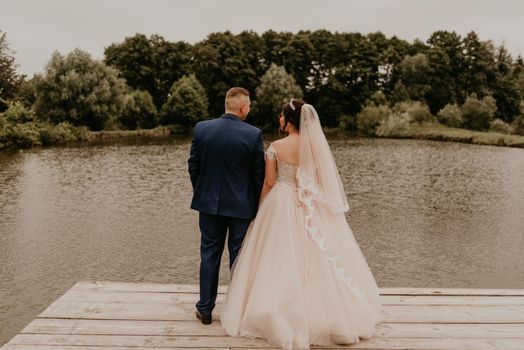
(286, 173)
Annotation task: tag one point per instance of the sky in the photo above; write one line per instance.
(37, 28)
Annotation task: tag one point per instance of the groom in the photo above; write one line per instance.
(226, 166)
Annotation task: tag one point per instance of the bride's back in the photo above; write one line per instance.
(287, 149)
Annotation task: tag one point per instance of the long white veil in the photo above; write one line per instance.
(318, 176)
(322, 195)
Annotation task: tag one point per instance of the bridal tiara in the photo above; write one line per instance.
(291, 104)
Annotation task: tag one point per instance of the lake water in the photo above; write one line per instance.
(426, 214)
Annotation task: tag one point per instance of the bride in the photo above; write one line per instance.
(300, 278)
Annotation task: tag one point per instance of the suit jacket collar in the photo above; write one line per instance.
(231, 116)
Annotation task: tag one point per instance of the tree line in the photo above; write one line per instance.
(356, 81)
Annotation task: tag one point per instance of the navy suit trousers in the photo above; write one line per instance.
(213, 229)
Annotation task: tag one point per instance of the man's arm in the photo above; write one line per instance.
(193, 161)
(259, 165)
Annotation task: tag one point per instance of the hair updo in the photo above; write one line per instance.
(292, 116)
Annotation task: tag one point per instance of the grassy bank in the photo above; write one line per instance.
(161, 131)
(440, 132)
(435, 132)
(28, 135)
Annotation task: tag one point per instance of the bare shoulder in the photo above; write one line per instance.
(277, 142)
(287, 149)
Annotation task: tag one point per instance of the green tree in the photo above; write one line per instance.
(139, 111)
(26, 93)
(440, 79)
(80, 90)
(400, 93)
(150, 64)
(352, 79)
(300, 58)
(415, 72)
(448, 65)
(256, 64)
(505, 87)
(276, 46)
(276, 87)
(325, 48)
(220, 63)
(187, 102)
(9, 78)
(390, 59)
(518, 73)
(479, 66)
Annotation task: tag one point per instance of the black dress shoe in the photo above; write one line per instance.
(202, 318)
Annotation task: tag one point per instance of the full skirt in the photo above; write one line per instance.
(299, 280)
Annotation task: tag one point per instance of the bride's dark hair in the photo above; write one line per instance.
(292, 116)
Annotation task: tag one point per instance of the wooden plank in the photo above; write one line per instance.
(137, 340)
(428, 344)
(453, 314)
(234, 342)
(451, 291)
(136, 297)
(169, 298)
(75, 347)
(190, 328)
(122, 327)
(449, 330)
(174, 288)
(181, 312)
(147, 316)
(140, 287)
(124, 311)
(451, 300)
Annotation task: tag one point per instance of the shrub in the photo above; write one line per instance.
(500, 126)
(22, 135)
(17, 113)
(187, 102)
(139, 111)
(56, 134)
(368, 120)
(377, 98)
(396, 124)
(518, 125)
(450, 115)
(416, 110)
(477, 114)
(348, 122)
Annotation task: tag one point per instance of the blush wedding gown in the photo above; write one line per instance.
(300, 278)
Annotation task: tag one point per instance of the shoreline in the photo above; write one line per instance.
(432, 132)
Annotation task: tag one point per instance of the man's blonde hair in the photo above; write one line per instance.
(233, 102)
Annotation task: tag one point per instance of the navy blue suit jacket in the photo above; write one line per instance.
(226, 166)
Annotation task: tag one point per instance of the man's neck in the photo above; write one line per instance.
(234, 113)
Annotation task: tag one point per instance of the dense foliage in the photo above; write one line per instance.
(370, 84)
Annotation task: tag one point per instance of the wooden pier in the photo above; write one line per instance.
(148, 316)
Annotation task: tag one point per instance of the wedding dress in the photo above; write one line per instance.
(300, 278)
